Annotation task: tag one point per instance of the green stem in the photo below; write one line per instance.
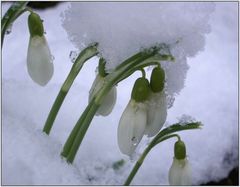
(81, 133)
(75, 138)
(143, 73)
(137, 166)
(71, 138)
(143, 156)
(56, 106)
(77, 66)
(11, 15)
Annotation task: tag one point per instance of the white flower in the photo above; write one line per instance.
(131, 126)
(180, 172)
(109, 100)
(157, 113)
(39, 60)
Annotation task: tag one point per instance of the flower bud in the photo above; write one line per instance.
(157, 79)
(179, 150)
(35, 25)
(39, 60)
(141, 90)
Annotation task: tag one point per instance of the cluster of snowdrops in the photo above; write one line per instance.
(145, 114)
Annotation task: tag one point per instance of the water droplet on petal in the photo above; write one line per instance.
(134, 141)
(42, 20)
(9, 29)
(45, 32)
(73, 56)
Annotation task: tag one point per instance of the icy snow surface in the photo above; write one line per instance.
(209, 95)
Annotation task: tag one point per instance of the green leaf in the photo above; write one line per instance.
(178, 127)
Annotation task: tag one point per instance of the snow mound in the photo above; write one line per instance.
(124, 28)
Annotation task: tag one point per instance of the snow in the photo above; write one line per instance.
(210, 95)
(124, 28)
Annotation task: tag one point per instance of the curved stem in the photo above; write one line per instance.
(166, 137)
(76, 136)
(143, 156)
(77, 66)
(143, 73)
(11, 15)
(68, 145)
(81, 133)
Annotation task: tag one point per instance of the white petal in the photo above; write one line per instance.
(131, 127)
(110, 99)
(108, 102)
(39, 60)
(187, 174)
(157, 113)
(180, 173)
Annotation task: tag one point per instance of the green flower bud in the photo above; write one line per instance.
(157, 79)
(179, 150)
(35, 25)
(141, 90)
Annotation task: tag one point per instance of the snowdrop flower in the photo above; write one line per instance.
(180, 171)
(110, 99)
(157, 113)
(157, 105)
(134, 118)
(108, 102)
(39, 58)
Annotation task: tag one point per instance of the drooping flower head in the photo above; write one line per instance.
(39, 58)
(180, 171)
(134, 118)
(157, 102)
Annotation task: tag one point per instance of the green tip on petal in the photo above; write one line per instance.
(35, 25)
(141, 90)
(180, 150)
(157, 79)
